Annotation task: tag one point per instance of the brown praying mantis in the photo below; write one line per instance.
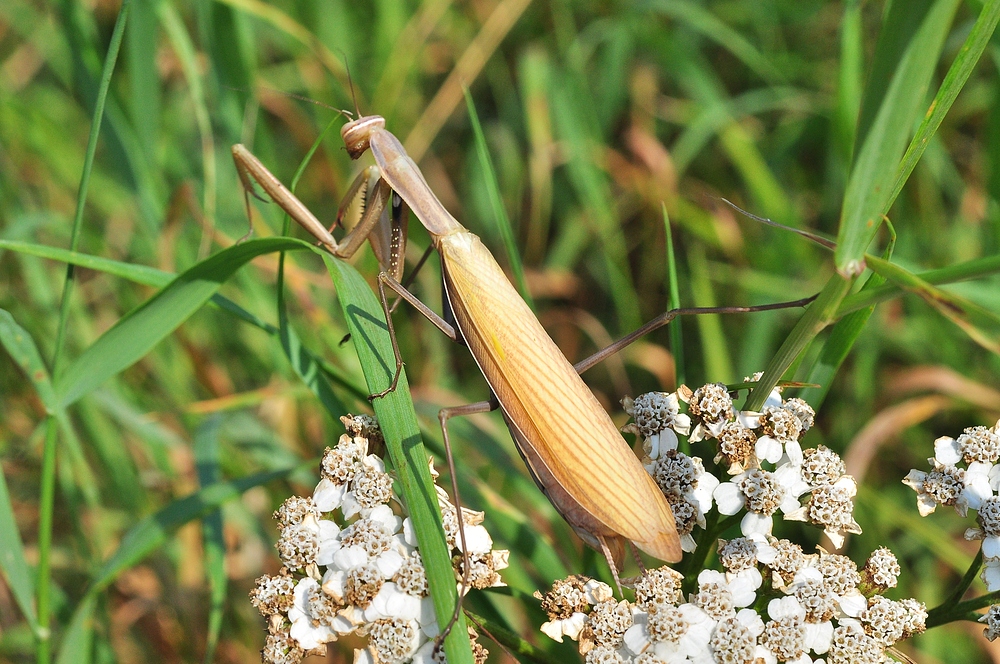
(569, 443)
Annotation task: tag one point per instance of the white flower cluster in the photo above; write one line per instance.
(760, 452)
(965, 475)
(773, 604)
(363, 576)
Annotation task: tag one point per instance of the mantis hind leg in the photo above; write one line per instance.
(443, 416)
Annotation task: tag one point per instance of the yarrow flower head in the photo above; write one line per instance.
(359, 571)
(771, 602)
(972, 487)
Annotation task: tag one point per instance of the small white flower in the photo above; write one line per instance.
(391, 602)
(943, 485)
(312, 616)
(977, 484)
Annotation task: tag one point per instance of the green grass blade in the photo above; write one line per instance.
(979, 267)
(701, 20)
(134, 335)
(398, 421)
(152, 532)
(820, 313)
(24, 352)
(982, 325)
(843, 335)
(78, 639)
(500, 217)
(953, 83)
(307, 366)
(206, 456)
(915, 33)
(14, 565)
(141, 274)
(674, 301)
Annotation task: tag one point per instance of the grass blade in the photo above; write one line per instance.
(496, 202)
(12, 561)
(982, 325)
(206, 456)
(24, 352)
(134, 335)
(891, 103)
(398, 421)
(953, 82)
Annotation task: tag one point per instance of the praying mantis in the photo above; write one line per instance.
(572, 448)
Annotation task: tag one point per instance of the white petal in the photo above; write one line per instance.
(794, 452)
(682, 424)
(384, 515)
(409, 534)
(785, 607)
(773, 399)
(991, 575)
(768, 449)
(756, 523)
(349, 557)
(819, 636)
(852, 604)
(363, 656)
(729, 498)
(477, 538)
(749, 419)
(751, 620)
(391, 602)
(328, 496)
(946, 450)
(388, 563)
(636, 637)
(744, 585)
(335, 584)
(702, 495)
(991, 547)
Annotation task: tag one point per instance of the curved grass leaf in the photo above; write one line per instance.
(206, 455)
(953, 82)
(134, 335)
(77, 642)
(150, 534)
(24, 352)
(12, 561)
(982, 325)
(496, 202)
(913, 36)
(312, 370)
(398, 421)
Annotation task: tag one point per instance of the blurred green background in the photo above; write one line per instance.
(595, 114)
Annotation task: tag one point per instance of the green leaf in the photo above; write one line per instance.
(24, 352)
(78, 640)
(153, 531)
(398, 421)
(142, 328)
(982, 325)
(953, 83)
(912, 36)
(206, 456)
(500, 217)
(15, 568)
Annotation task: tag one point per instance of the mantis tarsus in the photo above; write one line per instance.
(574, 451)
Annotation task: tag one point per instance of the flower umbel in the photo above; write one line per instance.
(366, 577)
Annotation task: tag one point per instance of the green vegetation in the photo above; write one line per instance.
(146, 437)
